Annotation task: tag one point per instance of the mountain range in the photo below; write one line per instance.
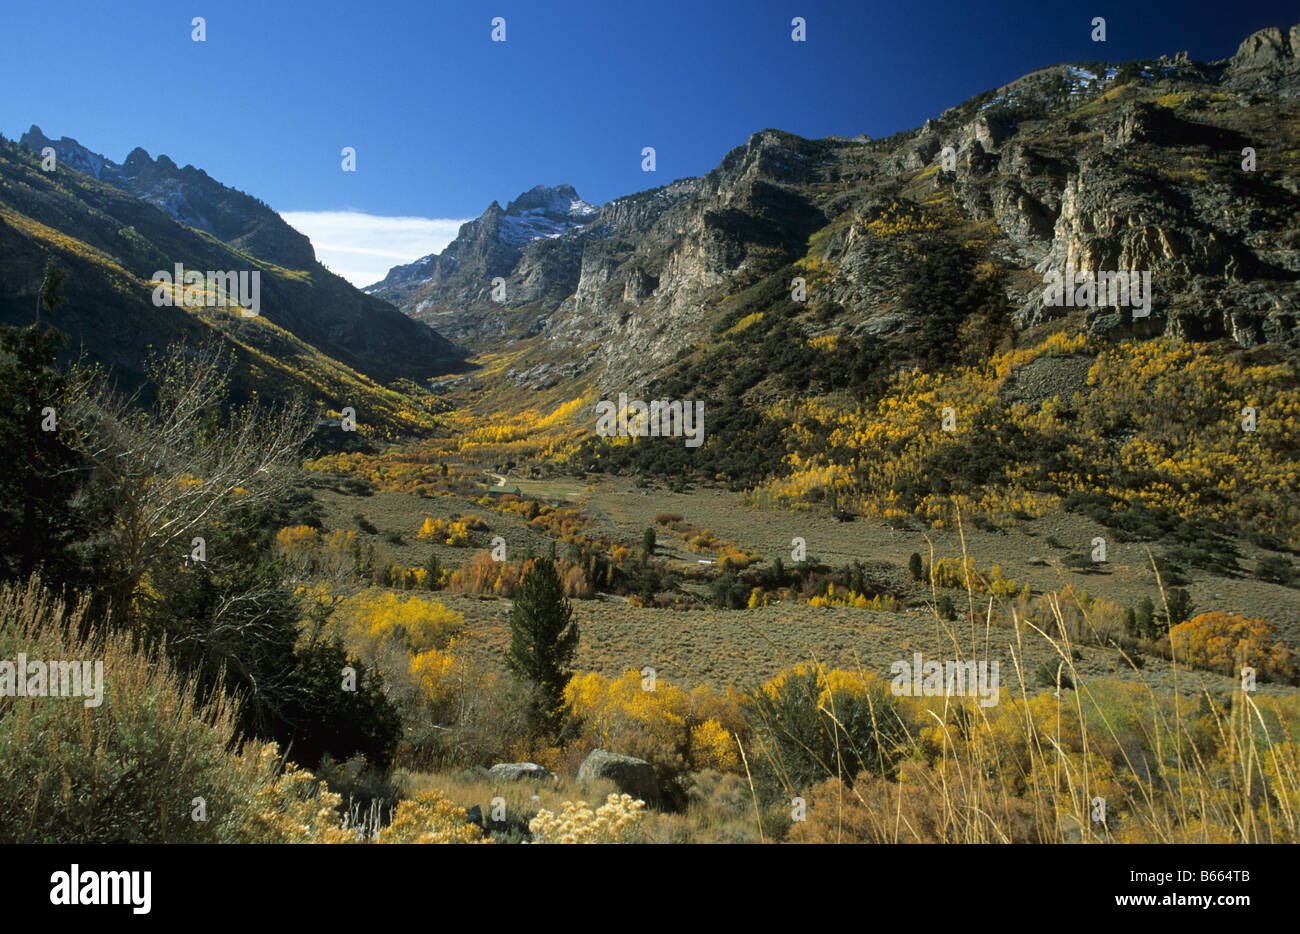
(114, 226)
(1183, 169)
(1138, 167)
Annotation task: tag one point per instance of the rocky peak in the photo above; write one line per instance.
(772, 155)
(560, 203)
(491, 245)
(189, 196)
(71, 153)
(542, 212)
(137, 160)
(1269, 48)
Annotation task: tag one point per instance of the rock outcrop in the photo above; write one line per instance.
(630, 775)
(515, 771)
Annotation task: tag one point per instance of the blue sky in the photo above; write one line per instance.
(444, 120)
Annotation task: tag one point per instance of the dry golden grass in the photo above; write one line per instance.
(1041, 769)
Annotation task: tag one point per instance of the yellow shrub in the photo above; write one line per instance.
(454, 532)
(880, 602)
(662, 726)
(376, 616)
(712, 747)
(1222, 642)
(483, 574)
(296, 537)
(293, 808)
(613, 822)
(430, 669)
(733, 559)
(430, 818)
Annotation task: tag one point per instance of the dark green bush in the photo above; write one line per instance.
(1045, 676)
(1276, 569)
(365, 525)
(1180, 606)
(809, 739)
(729, 592)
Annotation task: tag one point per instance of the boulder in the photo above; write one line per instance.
(630, 775)
(514, 771)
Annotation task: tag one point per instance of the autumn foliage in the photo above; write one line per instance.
(1226, 643)
(673, 729)
(484, 574)
(453, 532)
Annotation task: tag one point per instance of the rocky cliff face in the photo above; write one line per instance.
(644, 287)
(636, 276)
(1127, 168)
(1264, 59)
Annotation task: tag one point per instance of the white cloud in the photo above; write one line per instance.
(363, 247)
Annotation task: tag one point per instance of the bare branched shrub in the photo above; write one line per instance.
(173, 469)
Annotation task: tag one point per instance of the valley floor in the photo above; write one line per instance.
(744, 648)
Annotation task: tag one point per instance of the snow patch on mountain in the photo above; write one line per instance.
(544, 212)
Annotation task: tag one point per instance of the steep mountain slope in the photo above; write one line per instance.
(114, 226)
(1137, 168)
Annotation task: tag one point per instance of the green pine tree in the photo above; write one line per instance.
(543, 642)
(433, 570)
(38, 470)
(1144, 618)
